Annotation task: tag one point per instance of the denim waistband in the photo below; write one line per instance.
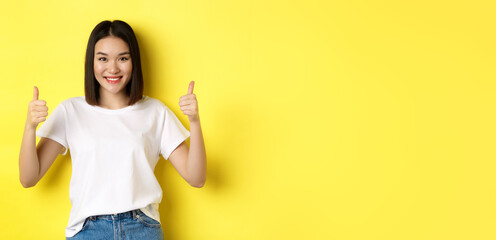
(129, 214)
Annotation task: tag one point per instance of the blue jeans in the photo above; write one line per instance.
(123, 226)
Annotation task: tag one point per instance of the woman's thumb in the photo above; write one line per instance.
(35, 93)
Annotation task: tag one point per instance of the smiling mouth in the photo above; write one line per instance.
(113, 80)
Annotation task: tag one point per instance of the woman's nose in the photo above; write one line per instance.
(113, 67)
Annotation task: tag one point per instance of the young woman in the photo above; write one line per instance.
(115, 135)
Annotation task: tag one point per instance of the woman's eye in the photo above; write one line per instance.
(102, 59)
(124, 58)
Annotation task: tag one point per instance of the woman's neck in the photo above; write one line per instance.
(113, 101)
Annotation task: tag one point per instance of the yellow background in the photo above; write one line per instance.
(322, 119)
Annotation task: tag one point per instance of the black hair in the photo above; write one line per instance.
(122, 30)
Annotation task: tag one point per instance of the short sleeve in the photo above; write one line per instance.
(173, 134)
(55, 127)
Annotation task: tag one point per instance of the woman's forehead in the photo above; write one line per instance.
(111, 45)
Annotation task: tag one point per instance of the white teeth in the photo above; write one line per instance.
(113, 79)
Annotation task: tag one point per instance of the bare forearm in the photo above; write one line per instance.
(29, 166)
(196, 165)
(197, 157)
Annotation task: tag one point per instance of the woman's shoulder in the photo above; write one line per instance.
(156, 106)
(73, 101)
(150, 101)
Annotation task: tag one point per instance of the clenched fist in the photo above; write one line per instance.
(189, 104)
(37, 111)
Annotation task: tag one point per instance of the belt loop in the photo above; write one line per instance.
(135, 213)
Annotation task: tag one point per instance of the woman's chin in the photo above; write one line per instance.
(112, 90)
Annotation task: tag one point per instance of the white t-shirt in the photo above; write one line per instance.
(114, 153)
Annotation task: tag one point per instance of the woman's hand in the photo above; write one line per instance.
(191, 163)
(37, 111)
(189, 104)
(34, 161)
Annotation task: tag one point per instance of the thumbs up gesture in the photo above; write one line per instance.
(37, 111)
(189, 104)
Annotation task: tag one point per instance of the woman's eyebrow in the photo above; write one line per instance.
(123, 53)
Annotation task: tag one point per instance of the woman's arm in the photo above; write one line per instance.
(191, 163)
(35, 161)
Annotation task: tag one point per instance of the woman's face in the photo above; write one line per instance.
(112, 65)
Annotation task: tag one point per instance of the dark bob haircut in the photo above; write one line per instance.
(120, 29)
